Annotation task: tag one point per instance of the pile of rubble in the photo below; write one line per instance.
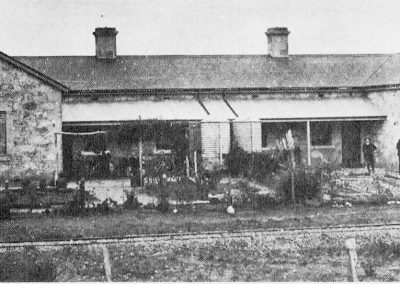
(240, 190)
(354, 185)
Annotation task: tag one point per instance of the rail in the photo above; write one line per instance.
(154, 238)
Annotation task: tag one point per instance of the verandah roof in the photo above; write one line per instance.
(218, 110)
(305, 109)
(145, 110)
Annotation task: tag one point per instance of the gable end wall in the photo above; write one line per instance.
(33, 113)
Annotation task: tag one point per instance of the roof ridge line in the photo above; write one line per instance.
(218, 55)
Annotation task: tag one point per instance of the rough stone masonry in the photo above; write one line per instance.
(33, 115)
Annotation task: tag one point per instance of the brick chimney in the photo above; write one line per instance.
(278, 42)
(106, 43)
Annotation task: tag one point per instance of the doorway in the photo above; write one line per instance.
(351, 144)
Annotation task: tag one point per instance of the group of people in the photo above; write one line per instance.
(369, 150)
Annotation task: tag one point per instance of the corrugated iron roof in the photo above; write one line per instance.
(353, 108)
(218, 71)
(189, 109)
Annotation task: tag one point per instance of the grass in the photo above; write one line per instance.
(237, 260)
(128, 222)
(42, 199)
(62, 264)
(28, 265)
(324, 259)
(318, 258)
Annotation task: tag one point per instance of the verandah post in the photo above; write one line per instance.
(308, 143)
(7, 193)
(56, 173)
(195, 162)
(140, 161)
(219, 143)
(292, 164)
(187, 167)
(140, 151)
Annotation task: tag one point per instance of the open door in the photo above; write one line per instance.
(351, 144)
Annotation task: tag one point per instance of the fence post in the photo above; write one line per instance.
(7, 192)
(82, 193)
(107, 264)
(351, 249)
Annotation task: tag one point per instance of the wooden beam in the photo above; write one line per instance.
(308, 143)
(195, 163)
(141, 161)
(230, 107)
(202, 105)
(80, 133)
(219, 144)
(107, 263)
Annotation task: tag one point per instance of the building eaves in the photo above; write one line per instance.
(233, 91)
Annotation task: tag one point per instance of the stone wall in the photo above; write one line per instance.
(33, 114)
(385, 134)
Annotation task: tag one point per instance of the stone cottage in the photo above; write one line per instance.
(30, 115)
(330, 102)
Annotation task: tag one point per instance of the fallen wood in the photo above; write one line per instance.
(392, 175)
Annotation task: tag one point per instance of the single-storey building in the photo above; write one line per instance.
(330, 102)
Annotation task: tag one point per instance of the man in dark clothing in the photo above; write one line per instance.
(368, 150)
(398, 152)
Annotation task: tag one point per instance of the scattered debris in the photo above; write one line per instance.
(335, 205)
(219, 196)
(312, 202)
(326, 197)
(348, 204)
(230, 210)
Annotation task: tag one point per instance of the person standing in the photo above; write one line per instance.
(369, 150)
(398, 152)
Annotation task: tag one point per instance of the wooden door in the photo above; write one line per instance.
(351, 144)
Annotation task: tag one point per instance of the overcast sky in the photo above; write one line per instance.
(54, 27)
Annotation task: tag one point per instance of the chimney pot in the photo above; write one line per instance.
(278, 45)
(106, 42)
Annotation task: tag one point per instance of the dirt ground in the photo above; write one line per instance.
(41, 227)
(302, 257)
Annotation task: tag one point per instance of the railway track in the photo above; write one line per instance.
(198, 236)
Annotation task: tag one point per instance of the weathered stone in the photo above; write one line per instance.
(33, 114)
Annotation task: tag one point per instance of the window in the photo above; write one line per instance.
(321, 133)
(264, 135)
(3, 132)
